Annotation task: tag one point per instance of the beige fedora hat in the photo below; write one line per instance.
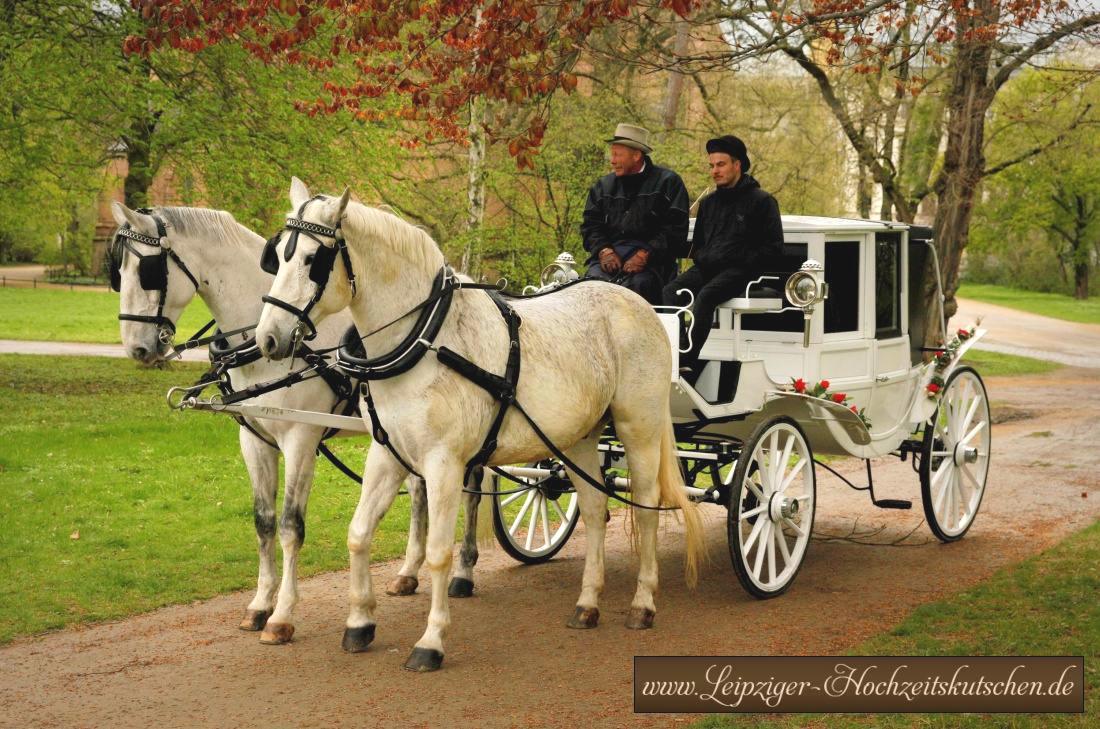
(632, 136)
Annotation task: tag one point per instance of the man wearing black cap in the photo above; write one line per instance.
(737, 228)
(636, 218)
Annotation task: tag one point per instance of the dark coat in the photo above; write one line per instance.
(647, 210)
(737, 228)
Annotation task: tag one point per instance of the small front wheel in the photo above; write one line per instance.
(534, 521)
(771, 507)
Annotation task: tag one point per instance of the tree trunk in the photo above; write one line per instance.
(675, 88)
(140, 166)
(1081, 281)
(968, 99)
(475, 181)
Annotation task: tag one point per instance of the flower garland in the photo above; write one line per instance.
(821, 390)
(945, 356)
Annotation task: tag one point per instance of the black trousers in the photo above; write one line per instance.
(710, 290)
(646, 283)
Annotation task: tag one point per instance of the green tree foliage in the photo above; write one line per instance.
(1037, 225)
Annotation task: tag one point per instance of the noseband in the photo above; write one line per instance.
(152, 271)
(324, 260)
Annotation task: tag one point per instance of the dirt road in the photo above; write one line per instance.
(511, 661)
(1030, 335)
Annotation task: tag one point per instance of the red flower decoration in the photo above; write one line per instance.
(854, 409)
(839, 397)
(824, 384)
(939, 353)
(933, 387)
(800, 385)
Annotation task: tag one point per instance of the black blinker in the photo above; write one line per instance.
(291, 245)
(269, 259)
(153, 272)
(321, 267)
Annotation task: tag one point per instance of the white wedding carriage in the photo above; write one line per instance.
(814, 359)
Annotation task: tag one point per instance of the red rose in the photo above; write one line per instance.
(800, 385)
(939, 353)
(854, 409)
(824, 384)
(963, 334)
(933, 388)
(839, 397)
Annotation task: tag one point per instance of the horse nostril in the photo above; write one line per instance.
(269, 345)
(140, 353)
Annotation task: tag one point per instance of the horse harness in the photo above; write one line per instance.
(324, 260)
(152, 270)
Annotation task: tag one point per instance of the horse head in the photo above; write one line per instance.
(153, 293)
(313, 276)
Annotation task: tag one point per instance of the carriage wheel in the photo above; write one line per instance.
(955, 456)
(533, 525)
(771, 507)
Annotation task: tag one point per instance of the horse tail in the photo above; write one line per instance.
(671, 482)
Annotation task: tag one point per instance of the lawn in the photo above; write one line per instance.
(1045, 606)
(114, 505)
(995, 364)
(1059, 306)
(60, 315)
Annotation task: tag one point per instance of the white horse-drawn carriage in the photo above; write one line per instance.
(813, 359)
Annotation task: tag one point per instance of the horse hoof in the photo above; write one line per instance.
(640, 618)
(356, 640)
(423, 660)
(460, 587)
(584, 618)
(402, 585)
(277, 633)
(255, 620)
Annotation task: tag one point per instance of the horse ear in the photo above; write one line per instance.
(343, 204)
(124, 215)
(299, 193)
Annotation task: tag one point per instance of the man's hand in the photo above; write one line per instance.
(637, 262)
(610, 261)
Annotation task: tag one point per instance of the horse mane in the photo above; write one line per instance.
(204, 222)
(405, 239)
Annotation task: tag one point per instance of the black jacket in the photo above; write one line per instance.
(649, 209)
(737, 228)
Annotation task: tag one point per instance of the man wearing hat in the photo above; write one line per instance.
(737, 229)
(636, 218)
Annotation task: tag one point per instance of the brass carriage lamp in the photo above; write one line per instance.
(806, 288)
(561, 271)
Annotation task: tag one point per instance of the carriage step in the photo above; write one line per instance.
(893, 504)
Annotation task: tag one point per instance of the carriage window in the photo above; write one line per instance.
(794, 255)
(842, 275)
(887, 285)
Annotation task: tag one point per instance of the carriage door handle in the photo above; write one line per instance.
(882, 378)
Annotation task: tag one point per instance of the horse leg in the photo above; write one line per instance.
(300, 457)
(382, 477)
(443, 477)
(262, 462)
(406, 581)
(462, 584)
(593, 505)
(644, 457)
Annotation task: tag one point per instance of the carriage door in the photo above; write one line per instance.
(894, 380)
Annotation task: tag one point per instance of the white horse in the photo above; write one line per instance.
(590, 352)
(223, 258)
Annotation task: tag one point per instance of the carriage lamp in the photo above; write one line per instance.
(806, 289)
(561, 271)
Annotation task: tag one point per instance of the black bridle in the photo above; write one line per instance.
(152, 270)
(320, 268)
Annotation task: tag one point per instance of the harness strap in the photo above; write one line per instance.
(379, 433)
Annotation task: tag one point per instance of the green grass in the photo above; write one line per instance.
(1044, 606)
(59, 315)
(1059, 306)
(160, 500)
(994, 364)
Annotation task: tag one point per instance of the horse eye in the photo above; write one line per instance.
(309, 258)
